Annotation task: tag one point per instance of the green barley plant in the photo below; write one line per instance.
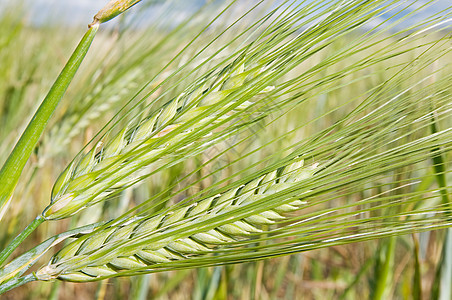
(164, 250)
(247, 131)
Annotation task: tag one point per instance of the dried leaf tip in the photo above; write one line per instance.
(111, 10)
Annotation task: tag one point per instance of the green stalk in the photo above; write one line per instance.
(16, 282)
(16, 268)
(140, 287)
(385, 272)
(439, 166)
(417, 278)
(20, 238)
(444, 274)
(12, 169)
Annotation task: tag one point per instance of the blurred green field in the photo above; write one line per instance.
(122, 61)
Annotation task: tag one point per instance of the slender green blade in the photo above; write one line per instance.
(12, 169)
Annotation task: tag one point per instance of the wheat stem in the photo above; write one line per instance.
(16, 282)
(12, 169)
(20, 238)
(22, 263)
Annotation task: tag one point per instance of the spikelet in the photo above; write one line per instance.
(119, 161)
(167, 249)
(112, 9)
(91, 107)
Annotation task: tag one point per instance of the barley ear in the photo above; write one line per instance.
(119, 160)
(66, 265)
(112, 9)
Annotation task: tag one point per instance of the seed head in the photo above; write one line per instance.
(73, 261)
(117, 162)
